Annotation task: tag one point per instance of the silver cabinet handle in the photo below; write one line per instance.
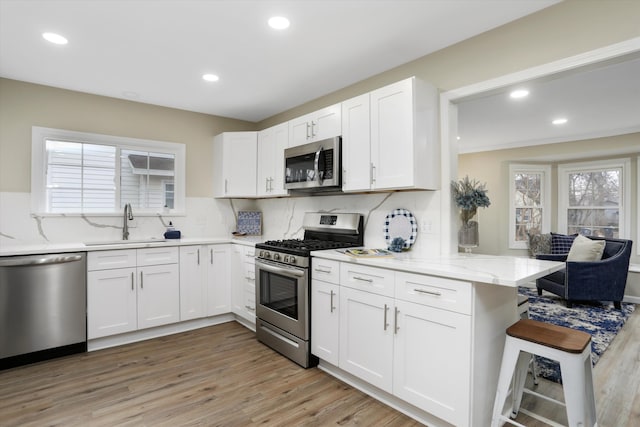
(132, 280)
(308, 126)
(363, 279)
(395, 320)
(322, 270)
(141, 280)
(422, 291)
(226, 186)
(313, 126)
(211, 256)
(386, 308)
(198, 256)
(373, 173)
(331, 302)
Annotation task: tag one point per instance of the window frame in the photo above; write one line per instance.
(545, 200)
(624, 164)
(39, 136)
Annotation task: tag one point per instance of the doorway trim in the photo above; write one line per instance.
(449, 121)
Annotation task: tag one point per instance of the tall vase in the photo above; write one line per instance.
(468, 236)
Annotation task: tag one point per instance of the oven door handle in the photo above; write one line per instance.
(280, 270)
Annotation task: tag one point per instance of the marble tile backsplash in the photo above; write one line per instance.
(208, 217)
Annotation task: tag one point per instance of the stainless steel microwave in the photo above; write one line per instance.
(313, 166)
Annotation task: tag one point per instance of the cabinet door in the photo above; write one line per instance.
(366, 336)
(158, 295)
(356, 144)
(271, 145)
(192, 286)
(235, 161)
(326, 123)
(325, 321)
(392, 121)
(243, 282)
(432, 359)
(218, 280)
(321, 124)
(300, 130)
(111, 302)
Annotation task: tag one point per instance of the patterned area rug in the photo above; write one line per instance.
(601, 320)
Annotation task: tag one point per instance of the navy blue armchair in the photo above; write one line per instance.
(603, 280)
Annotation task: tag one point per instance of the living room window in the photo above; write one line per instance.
(529, 201)
(84, 173)
(593, 198)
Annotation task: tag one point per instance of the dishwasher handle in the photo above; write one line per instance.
(41, 260)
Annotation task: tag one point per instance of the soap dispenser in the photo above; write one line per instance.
(171, 232)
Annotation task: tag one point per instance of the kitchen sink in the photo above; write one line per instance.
(124, 242)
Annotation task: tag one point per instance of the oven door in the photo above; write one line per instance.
(282, 297)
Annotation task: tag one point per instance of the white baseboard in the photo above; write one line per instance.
(160, 331)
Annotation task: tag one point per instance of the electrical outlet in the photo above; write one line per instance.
(426, 226)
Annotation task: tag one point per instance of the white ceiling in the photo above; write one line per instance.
(156, 51)
(597, 100)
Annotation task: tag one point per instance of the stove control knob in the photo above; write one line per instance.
(292, 259)
(267, 254)
(276, 257)
(286, 258)
(260, 254)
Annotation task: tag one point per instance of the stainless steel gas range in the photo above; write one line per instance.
(283, 282)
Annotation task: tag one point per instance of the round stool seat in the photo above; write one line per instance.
(554, 336)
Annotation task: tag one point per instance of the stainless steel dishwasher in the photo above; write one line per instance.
(43, 307)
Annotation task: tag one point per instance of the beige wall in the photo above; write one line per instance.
(557, 32)
(23, 105)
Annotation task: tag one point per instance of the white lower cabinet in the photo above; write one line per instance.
(366, 337)
(325, 320)
(243, 282)
(406, 334)
(431, 360)
(204, 281)
(218, 280)
(136, 294)
(112, 302)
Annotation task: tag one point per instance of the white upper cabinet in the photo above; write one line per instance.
(271, 145)
(401, 127)
(234, 164)
(356, 144)
(316, 126)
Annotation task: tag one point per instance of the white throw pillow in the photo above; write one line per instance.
(585, 249)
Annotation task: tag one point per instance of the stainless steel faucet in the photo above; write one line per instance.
(128, 215)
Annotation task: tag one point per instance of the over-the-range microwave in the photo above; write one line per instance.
(315, 166)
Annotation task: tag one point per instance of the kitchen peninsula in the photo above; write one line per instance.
(424, 335)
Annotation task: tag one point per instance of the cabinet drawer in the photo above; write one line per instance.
(325, 270)
(370, 279)
(157, 256)
(249, 253)
(438, 292)
(105, 260)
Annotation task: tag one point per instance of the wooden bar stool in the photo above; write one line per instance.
(569, 347)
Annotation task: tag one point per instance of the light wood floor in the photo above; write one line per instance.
(222, 376)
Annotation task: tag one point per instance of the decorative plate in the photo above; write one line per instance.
(401, 223)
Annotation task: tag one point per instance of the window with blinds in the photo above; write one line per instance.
(97, 174)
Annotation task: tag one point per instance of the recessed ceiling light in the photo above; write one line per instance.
(519, 93)
(210, 77)
(559, 121)
(278, 23)
(54, 38)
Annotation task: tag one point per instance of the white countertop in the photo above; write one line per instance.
(51, 248)
(500, 270)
